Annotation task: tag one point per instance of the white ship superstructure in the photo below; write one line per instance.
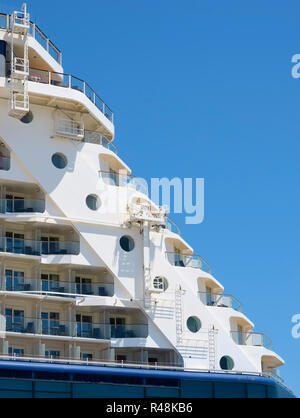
(80, 281)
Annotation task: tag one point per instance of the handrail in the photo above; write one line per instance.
(105, 144)
(65, 80)
(37, 34)
(185, 260)
(73, 322)
(37, 247)
(216, 299)
(117, 176)
(251, 338)
(138, 365)
(171, 224)
(54, 281)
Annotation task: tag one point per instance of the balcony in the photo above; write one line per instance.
(92, 137)
(56, 327)
(70, 82)
(123, 180)
(4, 163)
(38, 248)
(36, 33)
(171, 226)
(194, 261)
(22, 206)
(251, 338)
(54, 287)
(220, 300)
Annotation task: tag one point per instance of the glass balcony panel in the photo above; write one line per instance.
(3, 21)
(77, 84)
(4, 163)
(31, 247)
(40, 37)
(55, 327)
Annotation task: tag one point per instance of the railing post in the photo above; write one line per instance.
(69, 81)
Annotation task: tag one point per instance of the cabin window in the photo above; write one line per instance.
(59, 160)
(193, 323)
(93, 202)
(127, 243)
(226, 363)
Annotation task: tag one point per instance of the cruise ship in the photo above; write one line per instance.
(100, 295)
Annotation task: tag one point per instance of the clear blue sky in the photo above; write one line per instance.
(204, 89)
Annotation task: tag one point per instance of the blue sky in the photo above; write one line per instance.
(204, 89)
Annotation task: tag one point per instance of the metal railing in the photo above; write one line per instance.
(69, 127)
(171, 226)
(4, 163)
(160, 365)
(123, 180)
(251, 338)
(92, 362)
(71, 82)
(54, 287)
(92, 137)
(221, 300)
(36, 33)
(22, 205)
(37, 248)
(194, 261)
(58, 327)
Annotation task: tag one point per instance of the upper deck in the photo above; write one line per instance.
(38, 35)
(45, 75)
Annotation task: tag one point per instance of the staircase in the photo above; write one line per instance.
(19, 72)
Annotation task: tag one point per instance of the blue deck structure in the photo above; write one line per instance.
(29, 379)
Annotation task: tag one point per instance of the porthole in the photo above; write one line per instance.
(93, 202)
(226, 363)
(27, 118)
(160, 283)
(127, 243)
(193, 323)
(59, 160)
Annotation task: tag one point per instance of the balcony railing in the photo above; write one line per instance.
(220, 300)
(181, 260)
(32, 247)
(22, 205)
(123, 180)
(54, 287)
(4, 163)
(171, 226)
(36, 33)
(251, 338)
(71, 82)
(97, 138)
(46, 326)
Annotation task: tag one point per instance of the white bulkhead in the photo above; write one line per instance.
(90, 268)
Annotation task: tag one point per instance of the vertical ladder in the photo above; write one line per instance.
(212, 348)
(178, 315)
(19, 98)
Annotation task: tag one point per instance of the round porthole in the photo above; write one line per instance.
(93, 202)
(226, 363)
(59, 160)
(193, 323)
(27, 118)
(127, 243)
